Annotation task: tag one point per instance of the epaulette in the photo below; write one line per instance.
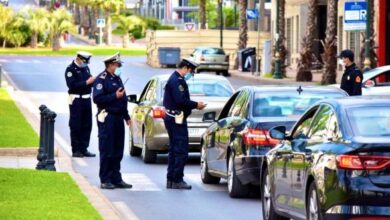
(103, 75)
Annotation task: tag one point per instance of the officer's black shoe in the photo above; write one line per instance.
(169, 184)
(89, 154)
(181, 185)
(123, 185)
(77, 154)
(107, 186)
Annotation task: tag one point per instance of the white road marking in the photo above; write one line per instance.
(20, 61)
(140, 182)
(196, 180)
(126, 212)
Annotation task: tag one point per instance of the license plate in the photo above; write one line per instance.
(194, 131)
(215, 66)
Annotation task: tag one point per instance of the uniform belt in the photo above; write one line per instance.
(172, 113)
(78, 96)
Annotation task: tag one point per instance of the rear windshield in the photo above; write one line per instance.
(370, 121)
(208, 87)
(287, 103)
(213, 51)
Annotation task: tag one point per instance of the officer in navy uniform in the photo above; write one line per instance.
(178, 107)
(351, 81)
(79, 81)
(110, 97)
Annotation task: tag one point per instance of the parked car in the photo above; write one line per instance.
(334, 164)
(234, 145)
(148, 135)
(4, 2)
(211, 59)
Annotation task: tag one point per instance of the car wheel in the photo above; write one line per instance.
(148, 156)
(235, 188)
(266, 200)
(134, 151)
(225, 73)
(204, 173)
(218, 73)
(197, 71)
(313, 204)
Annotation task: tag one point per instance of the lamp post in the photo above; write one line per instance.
(277, 74)
(221, 23)
(367, 60)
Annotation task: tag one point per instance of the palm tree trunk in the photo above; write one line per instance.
(304, 64)
(282, 45)
(373, 55)
(125, 39)
(34, 39)
(56, 45)
(330, 45)
(95, 16)
(108, 29)
(202, 14)
(243, 29)
(4, 43)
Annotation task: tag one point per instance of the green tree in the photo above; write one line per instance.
(38, 22)
(17, 31)
(109, 7)
(126, 24)
(6, 15)
(60, 22)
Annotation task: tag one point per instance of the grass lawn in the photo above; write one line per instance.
(31, 194)
(15, 131)
(70, 51)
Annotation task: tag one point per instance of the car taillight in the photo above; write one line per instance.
(202, 58)
(357, 162)
(258, 137)
(158, 112)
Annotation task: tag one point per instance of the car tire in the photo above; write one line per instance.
(133, 150)
(218, 73)
(225, 73)
(148, 156)
(197, 71)
(204, 173)
(313, 211)
(235, 188)
(266, 200)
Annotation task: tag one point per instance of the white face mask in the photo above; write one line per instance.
(341, 62)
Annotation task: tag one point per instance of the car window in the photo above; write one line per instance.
(302, 130)
(225, 110)
(144, 92)
(382, 79)
(370, 121)
(238, 104)
(324, 125)
(285, 104)
(206, 87)
(213, 51)
(150, 94)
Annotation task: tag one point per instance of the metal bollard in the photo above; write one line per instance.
(41, 151)
(50, 144)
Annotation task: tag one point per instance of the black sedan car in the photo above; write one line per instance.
(334, 164)
(234, 145)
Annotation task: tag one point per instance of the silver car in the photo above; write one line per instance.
(211, 59)
(148, 135)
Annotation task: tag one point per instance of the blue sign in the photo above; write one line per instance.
(355, 16)
(252, 14)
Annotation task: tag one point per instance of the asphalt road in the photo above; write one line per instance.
(40, 80)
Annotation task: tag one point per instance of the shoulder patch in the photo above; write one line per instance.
(99, 86)
(358, 79)
(103, 75)
(69, 74)
(181, 88)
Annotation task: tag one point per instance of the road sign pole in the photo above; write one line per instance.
(258, 43)
(100, 36)
(367, 60)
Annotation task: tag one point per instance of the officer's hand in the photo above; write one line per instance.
(200, 106)
(119, 93)
(90, 80)
(128, 122)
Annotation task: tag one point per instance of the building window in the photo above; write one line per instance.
(289, 39)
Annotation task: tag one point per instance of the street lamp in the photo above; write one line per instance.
(221, 22)
(277, 74)
(367, 61)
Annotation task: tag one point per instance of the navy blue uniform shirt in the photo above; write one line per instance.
(104, 95)
(351, 82)
(76, 79)
(177, 95)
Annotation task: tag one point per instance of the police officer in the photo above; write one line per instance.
(178, 107)
(351, 81)
(79, 81)
(110, 98)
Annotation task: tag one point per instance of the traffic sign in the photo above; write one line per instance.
(101, 23)
(355, 16)
(189, 26)
(252, 14)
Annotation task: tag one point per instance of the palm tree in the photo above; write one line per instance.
(243, 29)
(127, 23)
(202, 14)
(13, 32)
(109, 6)
(6, 15)
(304, 64)
(60, 22)
(37, 21)
(330, 45)
(282, 37)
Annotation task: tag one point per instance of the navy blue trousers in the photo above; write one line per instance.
(80, 124)
(178, 148)
(111, 146)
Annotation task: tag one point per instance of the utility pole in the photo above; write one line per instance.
(277, 74)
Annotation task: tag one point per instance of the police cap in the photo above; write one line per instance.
(347, 54)
(188, 63)
(84, 56)
(116, 58)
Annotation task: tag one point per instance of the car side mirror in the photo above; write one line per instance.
(369, 83)
(192, 55)
(278, 132)
(132, 99)
(209, 117)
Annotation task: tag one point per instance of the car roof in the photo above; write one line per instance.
(165, 77)
(281, 88)
(353, 101)
(371, 73)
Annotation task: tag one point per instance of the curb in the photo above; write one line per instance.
(102, 205)
(19, 152)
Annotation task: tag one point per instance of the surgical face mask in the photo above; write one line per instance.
(118, 71)
(83, 65)
(188, 76)
(341, 62)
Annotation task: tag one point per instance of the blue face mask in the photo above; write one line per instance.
(83, 65)
(188, 76)
(118, 72)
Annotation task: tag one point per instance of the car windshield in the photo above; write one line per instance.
(213, 51)
(286, 103)
(370, 121)
(208, 87)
